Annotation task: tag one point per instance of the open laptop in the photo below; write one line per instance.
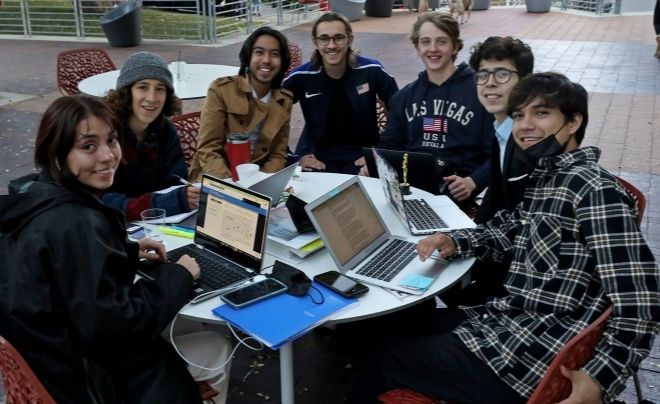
(272, 186)
(425, 171)
(360, 243)
(275, 184)
(415, 213)
(230, 236)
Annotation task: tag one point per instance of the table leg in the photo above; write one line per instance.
(286, 373)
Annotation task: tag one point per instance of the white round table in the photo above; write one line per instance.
(309, 186)
(195, 82)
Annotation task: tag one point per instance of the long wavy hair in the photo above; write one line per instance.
(245, 54)
(351, 54)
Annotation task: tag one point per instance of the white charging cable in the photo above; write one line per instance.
(241, 341)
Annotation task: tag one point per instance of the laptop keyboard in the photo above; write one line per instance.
(422, 216)
(214, 272)
(389, 261)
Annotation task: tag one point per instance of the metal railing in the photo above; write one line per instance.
(198, 20)
(204, 21)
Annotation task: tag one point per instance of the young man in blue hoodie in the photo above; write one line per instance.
(440, 113)
(337, 91)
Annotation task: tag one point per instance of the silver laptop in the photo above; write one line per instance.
(275, 184)
(360, 243)
(415, 213)
(230, 236)
(272, 186)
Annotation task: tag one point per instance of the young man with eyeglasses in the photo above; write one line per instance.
(440, 113)
(337, 91)
(577, 250)
(499, 64)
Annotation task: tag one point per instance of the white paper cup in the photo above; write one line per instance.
(152, 219)
(247, 173)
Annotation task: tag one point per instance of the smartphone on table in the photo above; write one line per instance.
(341, 284)
(253, 292)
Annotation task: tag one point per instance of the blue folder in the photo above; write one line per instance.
(283, 318)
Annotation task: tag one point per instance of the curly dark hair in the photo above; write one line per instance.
(500, 48)
(121, 102)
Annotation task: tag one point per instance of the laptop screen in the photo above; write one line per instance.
(232, 220)
(390, 180)
(348, 222)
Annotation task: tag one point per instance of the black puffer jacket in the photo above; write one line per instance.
(69, 303)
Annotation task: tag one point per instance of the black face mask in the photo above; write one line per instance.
(547, 147)
(524, 161)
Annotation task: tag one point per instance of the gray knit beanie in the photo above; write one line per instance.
(144, 65)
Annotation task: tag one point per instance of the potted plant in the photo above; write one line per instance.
(538, 6)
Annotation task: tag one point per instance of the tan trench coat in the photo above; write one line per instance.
(231, 108)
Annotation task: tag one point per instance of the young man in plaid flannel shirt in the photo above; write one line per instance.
(576, 248)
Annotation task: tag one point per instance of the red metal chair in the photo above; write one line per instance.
(405, 396)
(296, 57)
(21, 384)
(554, 387)
(639, 197)
(76, 65)
(187, 127)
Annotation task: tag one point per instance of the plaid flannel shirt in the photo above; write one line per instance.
(577, 249)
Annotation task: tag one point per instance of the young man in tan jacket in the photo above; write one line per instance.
(251, 103)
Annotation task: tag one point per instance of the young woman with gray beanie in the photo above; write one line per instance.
(153, 159)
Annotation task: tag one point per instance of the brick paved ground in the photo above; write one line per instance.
(611, 56)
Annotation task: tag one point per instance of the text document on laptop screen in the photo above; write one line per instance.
(348, 222)
(233, 217)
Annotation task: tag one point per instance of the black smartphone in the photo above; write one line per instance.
(135, 232)
(341, 284)
(253, 292)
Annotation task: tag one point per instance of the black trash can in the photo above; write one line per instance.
(123, 24)
(378, 8)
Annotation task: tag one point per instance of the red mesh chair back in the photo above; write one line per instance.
(76, 65)
(21, 384)
(554, 387)
(405, 396)
(639, 197)
(187, 127)
(296, 57)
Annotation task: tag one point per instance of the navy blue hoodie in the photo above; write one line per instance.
(446, 120)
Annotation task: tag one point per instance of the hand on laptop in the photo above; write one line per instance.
(190, 264)
(364, 171)
(152, 250)
(438, 241)
(309, 162)
(460, 188)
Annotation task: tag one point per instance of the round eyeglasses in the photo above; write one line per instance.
(324, 40)
(501, 75)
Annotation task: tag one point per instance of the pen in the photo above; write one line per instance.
(183, 181)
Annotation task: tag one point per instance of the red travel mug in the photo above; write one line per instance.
(238, 151)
